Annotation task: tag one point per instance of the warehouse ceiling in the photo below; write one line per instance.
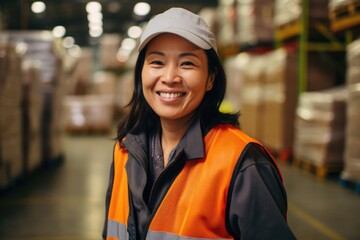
(117, 15)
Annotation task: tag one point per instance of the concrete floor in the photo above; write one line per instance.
(67, 202)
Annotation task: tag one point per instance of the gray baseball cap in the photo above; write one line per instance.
(181, 22)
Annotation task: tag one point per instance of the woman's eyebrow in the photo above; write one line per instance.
(184, 54)
(155, 53)
(187, 54)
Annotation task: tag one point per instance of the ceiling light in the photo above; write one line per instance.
(59, 31)
(68, 42)
(95, 17)
(38, 7)
(95, 32)
(128, 44)
(93, 7)
(142, 8)
(75, 51)
(134, 31)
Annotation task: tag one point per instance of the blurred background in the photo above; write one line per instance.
(66, 75)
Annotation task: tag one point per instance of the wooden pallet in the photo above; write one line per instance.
(320, 170)
(88, 130)
(345, 16)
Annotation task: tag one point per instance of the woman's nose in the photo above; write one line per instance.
(171, 74)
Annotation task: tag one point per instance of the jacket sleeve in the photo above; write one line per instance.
(107, 199)
(257, 203)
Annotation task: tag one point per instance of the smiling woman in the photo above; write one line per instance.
(175, 78)
(181, 168)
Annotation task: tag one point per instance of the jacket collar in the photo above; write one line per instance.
(191, 144)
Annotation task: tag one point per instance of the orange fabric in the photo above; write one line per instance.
(119, 204)
(191, 206)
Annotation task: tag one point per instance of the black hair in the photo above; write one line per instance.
(142, 118)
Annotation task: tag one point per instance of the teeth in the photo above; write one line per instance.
(170, 95)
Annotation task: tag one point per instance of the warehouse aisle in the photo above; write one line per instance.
(67, 202)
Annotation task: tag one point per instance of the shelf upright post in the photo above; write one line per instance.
(303, 47)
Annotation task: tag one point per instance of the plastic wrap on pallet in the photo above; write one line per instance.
(41, 46)
(250, 96)
(89, 113)
(234, 68)
(320, 126)
(287, 11)
(32, 115)
(108, 49)
(80, 81)
(254, 21)
(11, 164)
(279, 94)
(225, 18)
(352, 154)
(353, 61)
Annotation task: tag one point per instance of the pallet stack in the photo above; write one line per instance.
(11, 139)
(320, 131)
(344, 14)
(351, 172)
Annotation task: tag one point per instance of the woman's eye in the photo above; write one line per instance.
(187, 63)
(156, 62)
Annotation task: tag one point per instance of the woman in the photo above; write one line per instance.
(181, 168)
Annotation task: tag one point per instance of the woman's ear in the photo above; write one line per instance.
(210, 82)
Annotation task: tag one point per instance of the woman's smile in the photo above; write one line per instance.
(171, 95)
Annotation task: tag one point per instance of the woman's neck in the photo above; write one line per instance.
(172, 133)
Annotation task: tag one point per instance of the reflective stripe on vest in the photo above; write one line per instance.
(116, 230)
(194, 207)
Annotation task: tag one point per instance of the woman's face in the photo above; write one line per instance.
(175, 76)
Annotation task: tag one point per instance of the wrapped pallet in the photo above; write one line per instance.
(320, 128)
(108, 48)
(279, 99)
(225, 17)
(32, 115)
(351, 170)
(289, 11)
(89, 113)
(11, 154)
(254, 21)
(234, 68)
(251, 96)
(42, 47)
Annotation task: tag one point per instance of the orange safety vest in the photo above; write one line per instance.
(195, 205)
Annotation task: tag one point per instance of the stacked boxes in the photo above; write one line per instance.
(251, 96)
(288, 11)
(279, 91)
(11, 154)
(89, 113)
(43, 48)
(352, 143)
(254, 21)
(319, 127)
(32, 115)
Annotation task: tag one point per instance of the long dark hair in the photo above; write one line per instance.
(142, 118)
